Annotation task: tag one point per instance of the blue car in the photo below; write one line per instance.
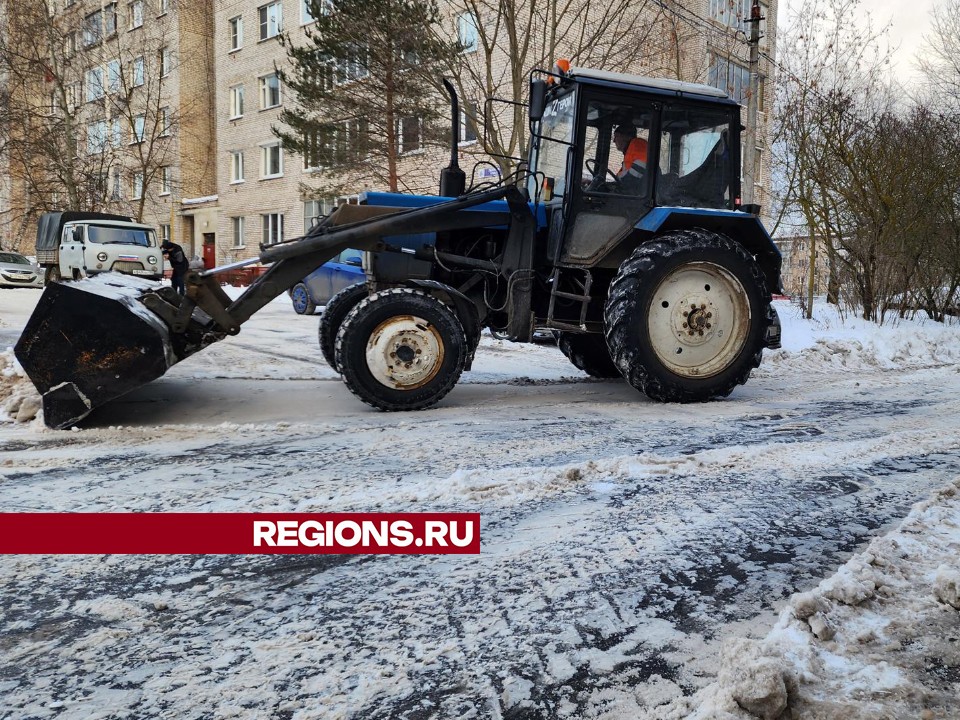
(316, 289)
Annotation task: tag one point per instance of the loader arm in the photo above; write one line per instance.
(91, 341)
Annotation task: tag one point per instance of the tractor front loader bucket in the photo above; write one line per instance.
(91, 341)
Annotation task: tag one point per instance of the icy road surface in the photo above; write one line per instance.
(622, 539)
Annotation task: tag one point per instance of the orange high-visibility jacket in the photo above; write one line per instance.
(636, 153)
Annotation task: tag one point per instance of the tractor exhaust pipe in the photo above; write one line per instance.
(453, 181)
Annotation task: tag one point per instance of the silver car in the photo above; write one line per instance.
(17, 271)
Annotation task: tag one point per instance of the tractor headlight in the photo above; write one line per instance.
(102, 257)
(152, 260)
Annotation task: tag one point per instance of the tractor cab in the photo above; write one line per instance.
(609, 147)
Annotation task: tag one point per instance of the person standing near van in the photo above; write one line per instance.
(178, 262)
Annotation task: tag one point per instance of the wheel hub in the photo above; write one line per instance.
(404, 352)
(699, 320)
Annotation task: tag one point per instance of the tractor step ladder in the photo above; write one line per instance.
(582, 297)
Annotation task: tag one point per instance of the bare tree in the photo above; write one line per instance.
(85, 115)
(502, 40)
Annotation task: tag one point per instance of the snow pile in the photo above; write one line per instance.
(829, 341)
(877, 639)
(19, 400)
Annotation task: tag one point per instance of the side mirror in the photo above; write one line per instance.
(354, 260)
(78, 234)
(538, 99)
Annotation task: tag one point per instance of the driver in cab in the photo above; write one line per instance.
(634, 151)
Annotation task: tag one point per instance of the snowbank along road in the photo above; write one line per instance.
(622, 540)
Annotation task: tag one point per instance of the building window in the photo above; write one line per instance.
(238, 241)
(96, 136)
(163, 7)
(113, 76)
(271, 160)
(409, 134)
(116, 184)
(94, 81)
(236, 102)
(731, 77)
(165, 180)
(270, 20)
(735, 13)
(467, 35)
(313, 210)
(269, 91)
(352, 67)
(74, 93)
(139, 128)
(136, 14)
(236, 166)
(165, 61)
(137, 185)
(272, 228)
(116, 132)
(236, 32)
(138, 72)
(307, 17)
(110, 19)
(92, 28)
(468, 122)
(165, 233)
(164, 122)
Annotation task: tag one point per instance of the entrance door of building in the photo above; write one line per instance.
(209, 250)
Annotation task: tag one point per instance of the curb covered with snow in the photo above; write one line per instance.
(876, 640)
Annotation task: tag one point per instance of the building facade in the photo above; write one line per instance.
(197, 82)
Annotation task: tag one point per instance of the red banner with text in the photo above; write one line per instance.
(240, 533)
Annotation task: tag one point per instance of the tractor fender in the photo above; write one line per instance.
(743, 228)
(466, 311)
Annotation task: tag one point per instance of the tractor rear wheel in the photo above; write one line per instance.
(334, 313)
(588, 352)
(686, 316)
(401, 349)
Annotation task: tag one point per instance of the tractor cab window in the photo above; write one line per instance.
(548, 161)
(615, 148)
(695, 158)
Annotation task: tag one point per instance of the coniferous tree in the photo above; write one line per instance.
(365, 90)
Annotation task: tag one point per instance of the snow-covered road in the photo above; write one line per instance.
(622, 540)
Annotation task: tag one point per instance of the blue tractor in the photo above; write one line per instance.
(623, 234)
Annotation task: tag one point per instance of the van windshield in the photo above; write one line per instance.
(121, 236)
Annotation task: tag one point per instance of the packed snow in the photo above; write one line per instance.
(790, 552)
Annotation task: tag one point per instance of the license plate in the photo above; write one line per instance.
(143, 272)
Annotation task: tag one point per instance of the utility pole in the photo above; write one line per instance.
(750, 137)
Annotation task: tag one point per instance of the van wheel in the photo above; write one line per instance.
(686, 316)
(333, 316)
(52, 275)
(401, 349)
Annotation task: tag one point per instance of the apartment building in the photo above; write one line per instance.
(196, 83)
(120, 120)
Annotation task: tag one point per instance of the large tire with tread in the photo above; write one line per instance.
(588, 352)
(302, 303)
(334, 313)
(52, 275)
(401, 349)
(686, 316)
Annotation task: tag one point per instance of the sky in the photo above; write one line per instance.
(909, 20)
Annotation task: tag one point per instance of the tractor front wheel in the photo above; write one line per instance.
(588, 352)
(333, 316)
(401, 349)
(686, 316)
